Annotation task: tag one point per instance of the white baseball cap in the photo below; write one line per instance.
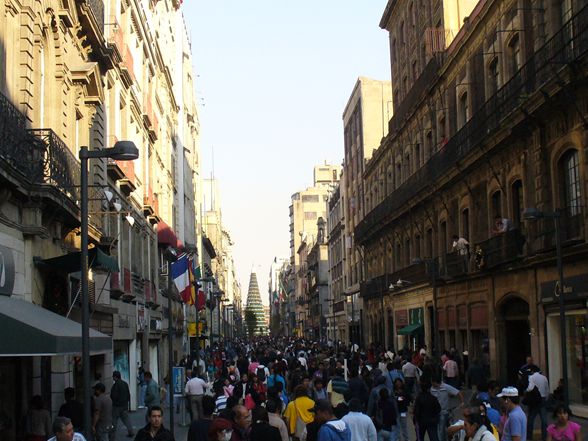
(509, 392)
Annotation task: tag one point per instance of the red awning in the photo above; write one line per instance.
(166, 236)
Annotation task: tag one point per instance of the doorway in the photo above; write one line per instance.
(517, 339)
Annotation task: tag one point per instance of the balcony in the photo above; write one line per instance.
(150, 202)
(571, 230)
(339, 306)
(566, 47)
(150, 119)
(455, 265)
(499, 250)
(59, 167)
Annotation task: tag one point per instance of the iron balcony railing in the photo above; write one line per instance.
(565, 47)
(19, 148)
(61, 168)
(38, 154)
(499, 250)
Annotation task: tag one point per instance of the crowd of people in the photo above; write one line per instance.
(286, 389)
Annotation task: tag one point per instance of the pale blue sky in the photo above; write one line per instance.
(275, 76)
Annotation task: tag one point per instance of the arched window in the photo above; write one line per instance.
(570, 181)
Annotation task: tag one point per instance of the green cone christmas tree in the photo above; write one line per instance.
(254, 315)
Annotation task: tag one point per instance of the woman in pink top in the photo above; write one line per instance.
(563, 429)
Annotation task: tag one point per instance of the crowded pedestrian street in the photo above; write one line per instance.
(309, 220)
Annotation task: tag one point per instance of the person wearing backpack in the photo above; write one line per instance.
(337, 388)
(262, 373)
(536, 398)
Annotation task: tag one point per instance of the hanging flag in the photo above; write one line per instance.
(181, 277)
(192, 295)
(200, 300)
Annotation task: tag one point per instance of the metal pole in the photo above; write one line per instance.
(562, 312)
(170, 340)
(84, 290)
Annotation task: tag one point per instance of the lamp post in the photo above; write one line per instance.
(170, 255)
(122, 151)
(534, 214)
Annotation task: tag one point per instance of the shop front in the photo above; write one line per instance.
(41, 357)
(576, 322)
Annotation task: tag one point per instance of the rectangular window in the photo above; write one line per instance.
(465, 224)
(443, 236)
(310, 198)
(429, 250)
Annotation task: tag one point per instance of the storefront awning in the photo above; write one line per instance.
(30, 330)
(410, 329)
(167, 237)
(72, 262)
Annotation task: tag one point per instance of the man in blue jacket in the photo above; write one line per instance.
(332, 429)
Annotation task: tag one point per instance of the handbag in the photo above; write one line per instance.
(249, 402)
(300, 431)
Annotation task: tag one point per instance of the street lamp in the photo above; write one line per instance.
(122, 151)
(534, 214)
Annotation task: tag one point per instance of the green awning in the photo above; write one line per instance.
(410, 329)
(30, 330)
(72, 262)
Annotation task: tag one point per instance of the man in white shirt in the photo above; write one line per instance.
(539, 381)
(63, 430)
(195, 389)
(361, 426)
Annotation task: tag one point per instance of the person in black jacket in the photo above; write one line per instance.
(260, 426)
(154, 430)
(426, 413)
(121, 397)
(199, 428)
(72, 409)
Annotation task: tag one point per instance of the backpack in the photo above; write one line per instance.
(339, 385)
(532, 398)
(260, 373)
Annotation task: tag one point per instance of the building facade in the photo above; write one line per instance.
(306, 208)
(338, 323)
(90, 74)
(365, 124)
(484, 127)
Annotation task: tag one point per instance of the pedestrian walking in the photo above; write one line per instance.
(298, 412)
(443, 392)
(386, 417)
(427, 411)
(361, 426)
(152, 393)
(120, 395)
(563, 429)
(261, 429)
(154, 430)
(515, 427)
(102, 416)
(241, 423)
(72, 409)
(332, 429)
(411, 376)
(199, 428)
(536, 397)
(403, 399)
(195, 389)
(38, 421)
(275, 420)
(63, 430)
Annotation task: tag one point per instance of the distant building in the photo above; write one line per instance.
(365, 122)
(307, 207)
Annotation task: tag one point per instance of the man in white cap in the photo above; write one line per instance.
(515, 428)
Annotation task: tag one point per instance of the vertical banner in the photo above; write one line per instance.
(179, 374)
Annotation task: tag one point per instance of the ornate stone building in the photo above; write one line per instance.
(90, 73)
(488, 120)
